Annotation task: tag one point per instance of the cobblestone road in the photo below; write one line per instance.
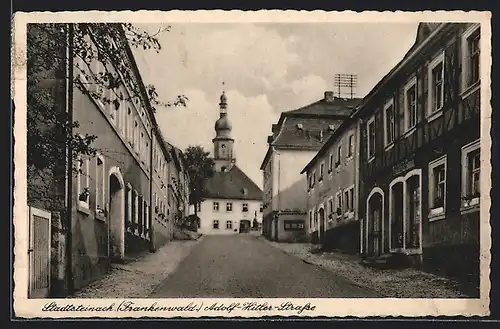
(245, 266)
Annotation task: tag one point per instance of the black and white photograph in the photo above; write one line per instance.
(251, 164)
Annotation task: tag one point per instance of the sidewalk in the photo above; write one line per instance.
(407, 283)
(138, 279)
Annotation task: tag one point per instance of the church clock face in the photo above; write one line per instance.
(223, 146)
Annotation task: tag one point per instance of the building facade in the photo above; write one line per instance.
(295, 140)
(332, 191)
(420, 153)
(116, 197)
(232, 201)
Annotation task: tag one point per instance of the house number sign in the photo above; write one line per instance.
(402, 167)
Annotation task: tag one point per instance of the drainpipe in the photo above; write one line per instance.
(69, 164)
(152, 246)
(276, 225)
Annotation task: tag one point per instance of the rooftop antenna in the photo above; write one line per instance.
(345, 80)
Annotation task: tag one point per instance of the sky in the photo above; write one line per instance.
(266, 69)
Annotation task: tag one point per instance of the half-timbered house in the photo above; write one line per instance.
(420, 153)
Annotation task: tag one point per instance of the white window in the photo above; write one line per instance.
(339, 154)
(470, 55)
(370, 133)
(100, 185)
(330, 163)
(437, 187)
(313, 179)
(471, 170)
(389, 123)
(83, 181)
(331, 209)
(215, 224)
(436, 84)
(229, 206)
(339, 205)
(410, 102)
(349, 199)
(216, 206)
(321, 170)
(350, 147)
(244, 207)
(261, 208)
(229, 224)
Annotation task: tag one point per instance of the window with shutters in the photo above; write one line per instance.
(410, 104)
(83, 181)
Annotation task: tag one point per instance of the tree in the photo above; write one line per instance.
(200, 169)
(50, 131)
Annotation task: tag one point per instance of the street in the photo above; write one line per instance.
(245, 266)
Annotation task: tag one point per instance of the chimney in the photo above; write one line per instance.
(321, 136)
(270, 139)
(329, 96)
(274, 128)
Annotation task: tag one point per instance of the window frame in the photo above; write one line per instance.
(230, 226)
(243, 206)
(339, 203)
(436, 213)
(350, 146)
(229, 206)
(215, 224)
(431, 112)
(472, 203)
(388, 105)
(100, 187)
(83, 205)
(321, 171)
(467, 85)
(369, 147)
(330, 163)
(410, 84)
(338, 155)
(215, 206)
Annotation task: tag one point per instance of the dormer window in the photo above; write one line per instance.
(299, 126)
(331, 127)
(244, 191)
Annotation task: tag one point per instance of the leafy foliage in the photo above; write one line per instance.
(200, 168)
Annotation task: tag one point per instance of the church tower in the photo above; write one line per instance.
(223, 143)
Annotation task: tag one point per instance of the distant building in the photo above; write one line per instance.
(232, 201)
(332, 190)
(295, 140)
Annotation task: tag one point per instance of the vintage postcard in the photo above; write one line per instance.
(251, 164)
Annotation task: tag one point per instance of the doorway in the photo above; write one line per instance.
(374, 224)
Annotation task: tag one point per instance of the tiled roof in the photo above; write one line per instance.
(232, 184)
(309, 135)
(315, 118)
